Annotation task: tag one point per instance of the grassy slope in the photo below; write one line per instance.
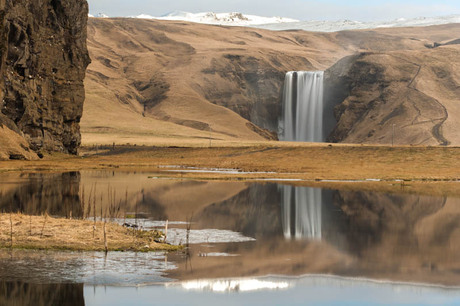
(419, 94)
(12, 144)
(175, 67)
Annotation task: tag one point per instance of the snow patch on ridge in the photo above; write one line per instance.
(282, 23)
(230, 19)
(341, 25)
(99, 15)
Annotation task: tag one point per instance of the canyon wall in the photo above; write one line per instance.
(401, 97)
(43, 59)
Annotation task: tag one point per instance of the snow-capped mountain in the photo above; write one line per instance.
(99, 15)
(230, 19)
(340, 25)
(282, 23)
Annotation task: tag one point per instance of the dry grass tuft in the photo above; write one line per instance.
(29, 232)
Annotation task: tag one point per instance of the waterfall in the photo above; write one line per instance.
(302, 117)
(301, 212)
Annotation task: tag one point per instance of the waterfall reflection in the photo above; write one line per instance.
(301, 212)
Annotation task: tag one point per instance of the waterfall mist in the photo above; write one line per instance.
(301, 212)
(302, 116)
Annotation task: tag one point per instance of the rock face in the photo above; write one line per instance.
(247, 85)
(43, 62)
(403, 97)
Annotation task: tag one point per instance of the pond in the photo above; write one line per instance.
(252, 243)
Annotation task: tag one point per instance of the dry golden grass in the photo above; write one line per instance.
(13, 144)
(270, 160)
(306, 161)
(48, 233)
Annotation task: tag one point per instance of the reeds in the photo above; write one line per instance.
(95, 208)
(11, 230)
(188, 255)
(114, 206)
(166, 231)
(189, 227)
(106, 247)
(44, 223)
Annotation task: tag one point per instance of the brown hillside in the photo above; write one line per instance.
(169, 82)
(417, 92)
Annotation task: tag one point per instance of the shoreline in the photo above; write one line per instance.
(433, 170)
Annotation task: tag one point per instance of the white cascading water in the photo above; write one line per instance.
(301, 212)
(302, 118)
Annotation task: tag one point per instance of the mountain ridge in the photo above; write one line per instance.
(285, 23)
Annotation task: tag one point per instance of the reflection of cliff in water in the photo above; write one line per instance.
(402, 237)
(272, 210)
(312, 214)
(38, 193)
(422, 229)
(19, 293)
(298, 230)
(351, 221)
(253, 212)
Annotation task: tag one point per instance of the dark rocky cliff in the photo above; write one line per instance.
(43, 59)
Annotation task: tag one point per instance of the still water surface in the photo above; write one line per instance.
(250, 243)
